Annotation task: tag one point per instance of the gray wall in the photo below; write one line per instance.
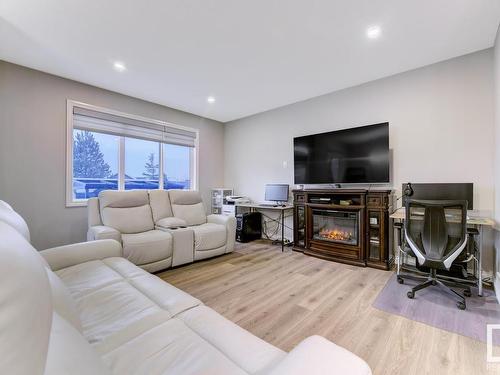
(497, 161)
(33, 147)
(441, 128)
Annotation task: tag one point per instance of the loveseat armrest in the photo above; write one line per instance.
(70, 255)
(102, 232)
(318, 356)
(220, 219)
(170, 222)
(230, 223)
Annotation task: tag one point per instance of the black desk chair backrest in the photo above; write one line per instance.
(436, 231)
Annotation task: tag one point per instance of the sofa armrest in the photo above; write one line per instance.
(230, 223)
(70, 255)
(102, 232)
(316, 355)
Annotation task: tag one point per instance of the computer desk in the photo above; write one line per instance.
(473, 219)
(254, 207)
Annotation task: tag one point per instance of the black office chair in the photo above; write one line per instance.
(436, 232)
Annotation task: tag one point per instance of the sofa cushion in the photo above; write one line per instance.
(160, 204)
(147, 247)
(127, 297)
(62, 301)
(209, 236)
(70, 353)
(113, 308)
(170, 348)
(232, 340)
(85, 278)
(81, 280)
(166, 296)
(188, 206)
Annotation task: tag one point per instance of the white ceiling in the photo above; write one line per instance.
(251, 56)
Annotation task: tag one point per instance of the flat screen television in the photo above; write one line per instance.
(348, 156)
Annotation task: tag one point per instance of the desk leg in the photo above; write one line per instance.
(480, 264)
(282, 230)
(396, 249)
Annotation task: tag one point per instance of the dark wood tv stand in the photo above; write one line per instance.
(345, 225)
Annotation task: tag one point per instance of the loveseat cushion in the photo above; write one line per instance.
(128, 220)
(209, 236)
(170, 348)
(126, 211)
(160, 204)
(193, 214)
(147, 247)
(123, 199)
(188, 206)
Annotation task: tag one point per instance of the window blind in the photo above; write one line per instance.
(87, 119)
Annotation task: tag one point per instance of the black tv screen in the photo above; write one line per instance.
(355, 155)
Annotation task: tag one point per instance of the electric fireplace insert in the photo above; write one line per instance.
(336, 226)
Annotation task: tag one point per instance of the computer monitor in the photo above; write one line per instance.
(441, 191)
(277, 192)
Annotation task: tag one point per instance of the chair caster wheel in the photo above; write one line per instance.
(410, 294)
(461, 305)
(467, 293)
(400, 280)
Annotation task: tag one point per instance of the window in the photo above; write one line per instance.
(95, 163)
(110, 150)
(176, 166)
(142, 164)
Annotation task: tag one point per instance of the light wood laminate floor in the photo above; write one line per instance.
(286, 297)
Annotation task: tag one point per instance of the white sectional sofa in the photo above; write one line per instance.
(160, 228)
(83, 309)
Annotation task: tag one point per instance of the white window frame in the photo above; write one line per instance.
(70, 202)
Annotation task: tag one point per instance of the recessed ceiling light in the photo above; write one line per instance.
(211, 99)
(373, 32)
(119, 66)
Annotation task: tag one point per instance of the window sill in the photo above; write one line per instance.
(76, 204)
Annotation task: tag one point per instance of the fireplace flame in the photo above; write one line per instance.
(334, 234)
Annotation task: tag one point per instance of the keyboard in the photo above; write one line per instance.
(268, 205)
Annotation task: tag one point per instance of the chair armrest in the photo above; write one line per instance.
(230, 223)
(102, 232)
(316, 355)
(70, 255)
